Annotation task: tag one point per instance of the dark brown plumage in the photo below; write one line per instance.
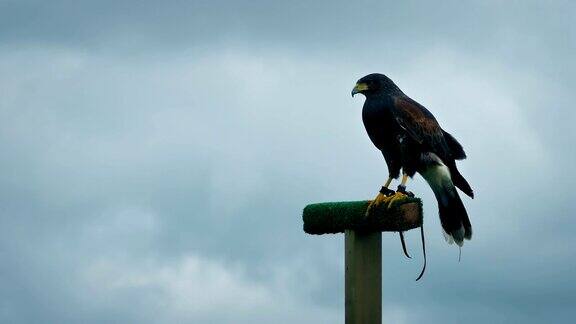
(411, 140)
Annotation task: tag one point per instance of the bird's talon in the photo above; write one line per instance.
(397, 196)
(388, 197)
(380, 198)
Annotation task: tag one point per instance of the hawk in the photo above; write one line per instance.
(411, 140)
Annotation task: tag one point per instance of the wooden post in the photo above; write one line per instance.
(363, 277)
(363, 247)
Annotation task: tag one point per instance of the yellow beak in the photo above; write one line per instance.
(359, 87)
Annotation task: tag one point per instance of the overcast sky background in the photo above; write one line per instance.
(156, 157)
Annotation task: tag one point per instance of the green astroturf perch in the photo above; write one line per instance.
(336, 217)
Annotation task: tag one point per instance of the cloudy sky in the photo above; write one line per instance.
(156, 158)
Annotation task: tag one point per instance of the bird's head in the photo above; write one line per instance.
(374, 84)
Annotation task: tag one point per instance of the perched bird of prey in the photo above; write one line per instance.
(411, 140)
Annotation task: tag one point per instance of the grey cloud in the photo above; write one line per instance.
(138, 136)
(486, 27)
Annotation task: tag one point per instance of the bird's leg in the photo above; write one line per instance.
(384, 190)
(401, 191)
(402, 186)
(382, 196)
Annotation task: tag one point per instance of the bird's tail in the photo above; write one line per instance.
(453, 215)
(459, 180)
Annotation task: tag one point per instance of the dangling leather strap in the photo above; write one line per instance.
(423, 251)
(404, 245)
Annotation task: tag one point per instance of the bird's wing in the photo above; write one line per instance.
(420, 125)
(455, 148)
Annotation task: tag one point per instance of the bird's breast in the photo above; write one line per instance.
(380, 124)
